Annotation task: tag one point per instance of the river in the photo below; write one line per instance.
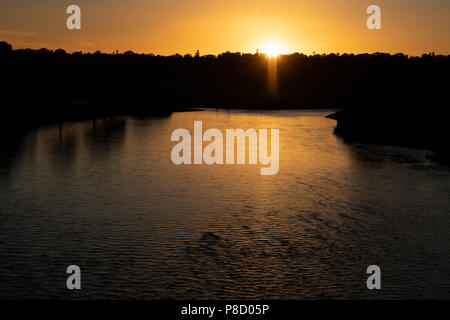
(105, 195)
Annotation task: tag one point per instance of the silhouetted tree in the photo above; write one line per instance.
(5, 47)
(60, 52)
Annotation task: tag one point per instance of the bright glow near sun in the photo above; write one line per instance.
(272, 49)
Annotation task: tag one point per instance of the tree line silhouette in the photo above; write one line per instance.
(398, 99)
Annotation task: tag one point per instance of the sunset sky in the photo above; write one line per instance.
(213, 26)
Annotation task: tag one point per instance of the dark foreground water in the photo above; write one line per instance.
(106, 196)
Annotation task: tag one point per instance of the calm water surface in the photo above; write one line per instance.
(106, 196)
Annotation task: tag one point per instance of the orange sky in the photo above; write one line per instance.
(212, 26)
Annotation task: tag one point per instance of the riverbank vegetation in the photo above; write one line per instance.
(385, 98)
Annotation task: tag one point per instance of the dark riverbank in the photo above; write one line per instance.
(411, 130)
(42, 114)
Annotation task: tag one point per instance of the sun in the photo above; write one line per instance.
(272, 49)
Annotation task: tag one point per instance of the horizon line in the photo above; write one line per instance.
(117, 52)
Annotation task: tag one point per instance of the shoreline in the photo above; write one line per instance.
(44, 114)
(355, 127)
